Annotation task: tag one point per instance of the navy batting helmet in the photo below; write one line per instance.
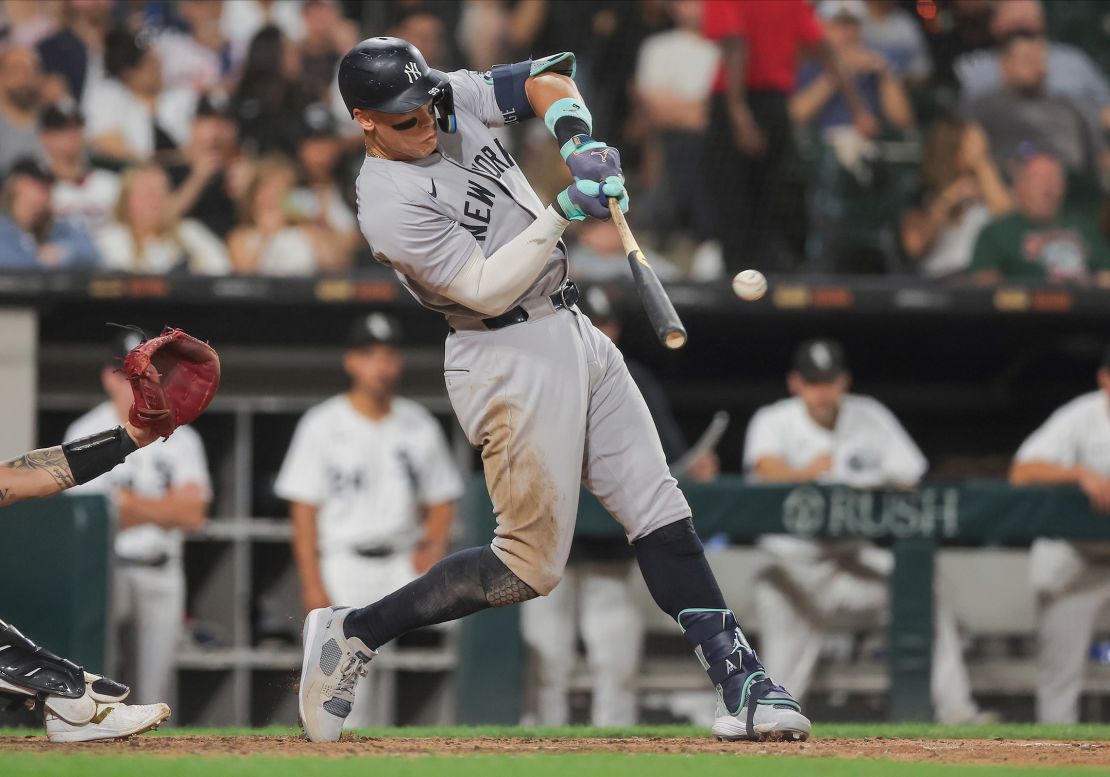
(391, 76)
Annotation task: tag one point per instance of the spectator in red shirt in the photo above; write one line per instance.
(749, 126)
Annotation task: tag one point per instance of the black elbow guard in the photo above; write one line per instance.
(92, 456)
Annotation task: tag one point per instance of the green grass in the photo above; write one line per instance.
(580, 765)
(119, 762)
(1086, 731)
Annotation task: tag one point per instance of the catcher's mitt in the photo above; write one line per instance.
(173, 376)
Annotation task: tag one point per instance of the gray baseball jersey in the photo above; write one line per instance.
(424, 218)
(548, 401)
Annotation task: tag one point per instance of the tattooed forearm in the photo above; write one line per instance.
(50, 460)
(5, 495)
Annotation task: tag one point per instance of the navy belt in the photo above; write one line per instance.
(154, 562)
(377, 551)
(565, 297)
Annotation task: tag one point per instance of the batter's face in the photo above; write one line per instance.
(822, 399)
(400, 136)
(374, 369)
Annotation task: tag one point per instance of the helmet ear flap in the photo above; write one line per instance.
(444, 103)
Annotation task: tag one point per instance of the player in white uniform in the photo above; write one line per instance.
(370, 482)
(1071, 579)
(824, 434)
(537, 388)
(159, 493)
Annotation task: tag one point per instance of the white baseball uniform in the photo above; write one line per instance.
(370, 480)
(149, 577)
(1072, 579)
(807, 583)
(548, 401)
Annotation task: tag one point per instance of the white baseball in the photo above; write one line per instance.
(749, 284)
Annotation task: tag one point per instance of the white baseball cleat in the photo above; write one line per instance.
(330, 671)
(770, 722)
(110, 721)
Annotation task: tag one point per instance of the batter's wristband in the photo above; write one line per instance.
(568, 107)
(579, 143)
(92, 456)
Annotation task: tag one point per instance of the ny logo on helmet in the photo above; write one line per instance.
(412, 71)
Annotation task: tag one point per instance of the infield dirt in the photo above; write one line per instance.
(951, 751)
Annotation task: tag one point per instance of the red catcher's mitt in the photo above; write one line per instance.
(173, 376)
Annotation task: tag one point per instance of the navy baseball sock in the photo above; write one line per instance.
(673, 564)
(461, 584)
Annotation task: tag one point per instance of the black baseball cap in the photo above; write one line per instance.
(374, 329)
(317, 121)
(125, 340)
(597, 304)
(820, 361)
(63, 114)
(32, 168)
(216, 104)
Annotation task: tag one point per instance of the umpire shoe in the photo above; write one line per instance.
(749, 704)
(114, 720)
(332, 667)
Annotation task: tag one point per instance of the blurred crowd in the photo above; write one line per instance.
(946, 138)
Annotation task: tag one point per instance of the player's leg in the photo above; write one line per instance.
(349, 577)
(1065, 625)
(159, 621)
(950, 683)
(613, 630)
(626, 470)
(520, 394)
(78, 706)
(548, 625)
(790, 633)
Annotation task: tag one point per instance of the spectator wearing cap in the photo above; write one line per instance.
(1022, 117)
(1071, 579)
(1042, 239)
(73, 57)
(319, 200)
(129, 116)
(21, 86)
(1070, 72)
(819, 100)
(269, 94)
(82, 194)
(749, 124)
(146, 236)
(370, 482)
(824, 434)
(268, 241)
(595, 599)
(210, 173)
(30, 237)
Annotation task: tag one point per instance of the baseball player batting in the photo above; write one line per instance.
(537, 388)
(173, 378)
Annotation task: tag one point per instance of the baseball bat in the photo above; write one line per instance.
(707, 442)
(660, 310)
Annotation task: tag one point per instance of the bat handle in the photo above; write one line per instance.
(628, 240)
